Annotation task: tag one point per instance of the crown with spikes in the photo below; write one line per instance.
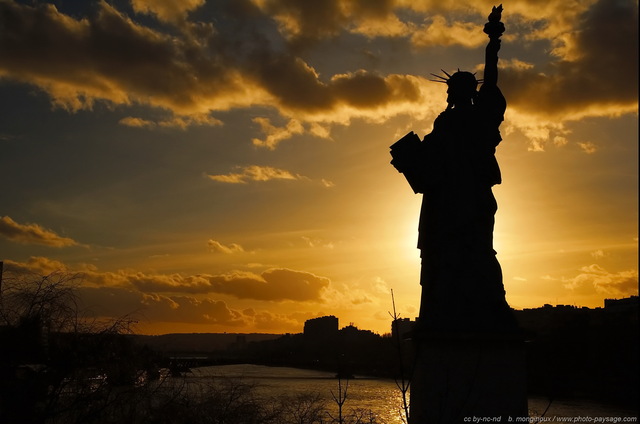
(449, 76)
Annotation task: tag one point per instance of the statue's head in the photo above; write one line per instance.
(462, 88)
(461, 85)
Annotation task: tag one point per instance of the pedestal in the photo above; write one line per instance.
(472, 378)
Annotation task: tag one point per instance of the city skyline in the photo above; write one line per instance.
(224, 166)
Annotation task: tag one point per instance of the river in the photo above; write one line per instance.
(381, 396)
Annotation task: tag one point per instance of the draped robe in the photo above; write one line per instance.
(461, 279)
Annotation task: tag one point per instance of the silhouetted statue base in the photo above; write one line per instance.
(470, 358)
(458, 377)
(464, 293)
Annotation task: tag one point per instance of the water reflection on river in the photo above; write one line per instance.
(381, 396)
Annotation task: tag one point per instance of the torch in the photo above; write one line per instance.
(494, 28)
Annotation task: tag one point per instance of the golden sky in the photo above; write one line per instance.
(214, 166)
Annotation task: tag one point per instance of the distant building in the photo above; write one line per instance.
(321, 327)
(625, 311)
(401, 327)
(616, 312)
(621, 304)
(240, 343)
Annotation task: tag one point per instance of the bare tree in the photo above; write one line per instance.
(403, 382)
(49, 300)
(54, 359)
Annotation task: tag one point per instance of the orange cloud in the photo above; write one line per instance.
(600, 80)
(595, 279)
(131, 121)
(181, 122)
(265, 173)
(176, 298)
(32, 234)
(275, 135)
(439, 32)
(36, 265)
(275, 284)
(118, 302)
(109, 57)
(272, 285)
(166, 10)
(199, 67)
(256, 173)
(265, 320)
(218, 247)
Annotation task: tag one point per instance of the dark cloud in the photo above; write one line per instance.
(119, 302)
(276, 284)
(32, 234)
(313, 19)
(162, 298)
(195, 69)
(265, 320)
(248, 56)
(362, 89)
(273, 285)
(167, 10)
(35, 265)
(104, 56)
(308, 20)
(602, 73)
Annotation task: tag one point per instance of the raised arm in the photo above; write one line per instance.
(494, 29)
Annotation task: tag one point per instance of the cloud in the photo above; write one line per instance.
(316, 20)
(176, 298)
(588, 147)
(218, 247)
(439, 32)
(166, 10)
(32, 234)
(327, 183)
(118, 302)
(256, 173)
(318, 243)
(383, 26)
(181, 122)
(189, 72)
(35, 265)
(305, 22)
(107, 56)
(275, 135)
(598, 77)
(275, 284)
(595, 279)
(265, 320)
(364, 299)
(131, 121)
(254, 55)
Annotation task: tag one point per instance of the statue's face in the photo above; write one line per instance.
(458, 95)
(461, 88)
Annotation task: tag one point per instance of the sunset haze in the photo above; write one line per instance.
(223, 166)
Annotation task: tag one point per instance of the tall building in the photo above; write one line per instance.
(321, 327)
(401, 327)
(627, 303)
